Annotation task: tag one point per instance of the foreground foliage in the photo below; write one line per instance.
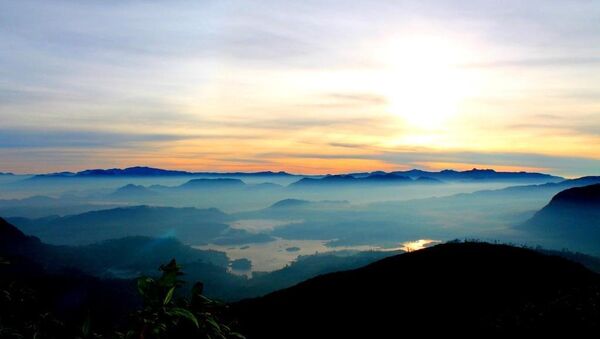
(31, 307)
(164, 316)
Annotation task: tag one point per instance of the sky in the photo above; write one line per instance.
(301, 86)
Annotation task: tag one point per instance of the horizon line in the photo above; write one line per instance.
(274, 171)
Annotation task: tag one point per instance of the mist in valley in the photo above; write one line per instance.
(263, 224)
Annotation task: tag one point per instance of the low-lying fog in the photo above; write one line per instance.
(271, 220)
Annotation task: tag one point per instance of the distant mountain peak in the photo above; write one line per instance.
(485, 170)
(290, 203)
(130, 171)
(213, 183)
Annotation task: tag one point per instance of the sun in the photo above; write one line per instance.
(422, 81)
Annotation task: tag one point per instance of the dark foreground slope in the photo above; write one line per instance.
(37, 303)
(455, 288)
(572, 218)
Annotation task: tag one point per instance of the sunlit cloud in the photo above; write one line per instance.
(305, 87)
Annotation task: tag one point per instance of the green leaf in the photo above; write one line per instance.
(214, 324)
(182, 312)
(169, 295)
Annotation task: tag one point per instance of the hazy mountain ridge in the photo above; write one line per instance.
(38, 206)
(443, 175)
(478, 174)
(130, 257)
(150, 171)
(133, 191)
(300, 203)
(348, 179)
(199, 225)
(350, 224)
(412, 176)
(236, 191)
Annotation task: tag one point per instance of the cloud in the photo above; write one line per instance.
(287, 123)
(563, 165)
(79, 139)
(292, 77)
(27, 138)
(564, 125)
(537, 62)
(348, 145)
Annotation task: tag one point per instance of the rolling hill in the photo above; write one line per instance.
(450, 289)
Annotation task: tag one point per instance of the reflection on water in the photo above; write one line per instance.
(276, 254)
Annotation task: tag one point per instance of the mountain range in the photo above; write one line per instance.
(414, 174)
(143, 171)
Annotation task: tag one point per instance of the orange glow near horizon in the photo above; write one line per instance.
(410, 92)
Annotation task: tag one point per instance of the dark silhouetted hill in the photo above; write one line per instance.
(309, 266)
(9, 233)
(586, 196)
(571, 217)
(450, 289)
(34, 299)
